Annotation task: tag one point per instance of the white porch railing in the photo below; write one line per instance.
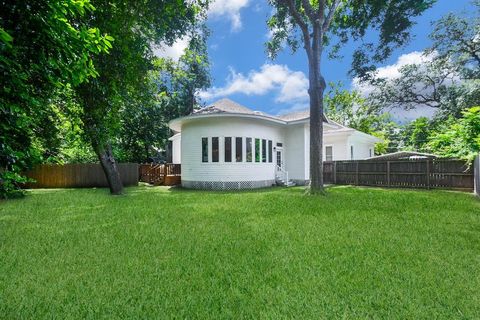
(284, 173)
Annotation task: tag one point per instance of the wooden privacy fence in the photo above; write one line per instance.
(81, 175)
(448, 174)
(168, 174)
(477, 174)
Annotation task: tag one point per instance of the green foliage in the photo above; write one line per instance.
(44, 45)
(460, 138)
(455, 38)
(416, 133)
(350, 109)
(171, 93)
(351, 21)
(447, 80)
(137, 27)
(358, 253)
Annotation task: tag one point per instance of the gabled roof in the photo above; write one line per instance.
(228, 106)
(224, 106)
(296, 115)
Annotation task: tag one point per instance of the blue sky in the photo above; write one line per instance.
(242, 71)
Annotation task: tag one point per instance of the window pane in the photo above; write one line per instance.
(238, 149)
(257, 150)
(264, 150)
(228, 149)
(351, 152)
(329, 153)
(249, 149)
(270, 151)
(279, 144)
(215, 149)
(204, 149)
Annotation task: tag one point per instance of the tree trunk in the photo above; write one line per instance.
(316, 135)
(109, 165)
(316, 88)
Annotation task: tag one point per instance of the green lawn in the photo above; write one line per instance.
(276, 253)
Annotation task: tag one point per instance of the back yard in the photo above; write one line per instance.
(276, 253)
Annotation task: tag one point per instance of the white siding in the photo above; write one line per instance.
(176, 148)
(295, 152)
(339, 144)
(337, 141)
(193, 169)
(361, 147)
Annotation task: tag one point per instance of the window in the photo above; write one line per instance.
(351, 152)
(249, 149)
(264, 150)
(204, 149)
(228, 149)
(328, 153)
(270, 151)
(279, 144)
(215, 149)
(370, 152)
(257, 150)
(238, 149)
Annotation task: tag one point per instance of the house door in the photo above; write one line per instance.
(279, 158)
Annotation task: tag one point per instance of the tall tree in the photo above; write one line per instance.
(44, 46)
(137, 26)
(447, 78)
(317, 23)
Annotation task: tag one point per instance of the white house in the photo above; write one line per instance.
(228, 146)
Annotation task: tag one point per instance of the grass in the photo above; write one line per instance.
(272, 254)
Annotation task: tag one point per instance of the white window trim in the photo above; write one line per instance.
(325, 151)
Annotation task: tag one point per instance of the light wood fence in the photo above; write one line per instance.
(447, 174)
(81, 175)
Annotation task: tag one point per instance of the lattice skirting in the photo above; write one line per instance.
(228, 185)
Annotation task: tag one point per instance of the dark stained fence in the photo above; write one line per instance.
(448, 174)
(81, 175)
(477, 175)
(168, 174)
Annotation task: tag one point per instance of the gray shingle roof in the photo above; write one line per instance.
(224, 105)
(229, 106)
(297, 115)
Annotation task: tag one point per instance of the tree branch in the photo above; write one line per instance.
(331, 15)
(309, 10)
(301, 23)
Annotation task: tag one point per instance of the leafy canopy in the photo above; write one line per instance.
(344, 21)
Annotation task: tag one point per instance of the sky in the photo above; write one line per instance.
(241, 70)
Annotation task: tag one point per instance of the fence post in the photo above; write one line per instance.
(388, 173)
(356, 173)
(335, 172)
(476, 175)
(428, 174)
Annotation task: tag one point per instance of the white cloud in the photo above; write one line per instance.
(290, 86)
(230, 9)
(174, 51)
(392, 71)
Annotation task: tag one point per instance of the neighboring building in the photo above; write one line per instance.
(404, 155)
(228, 146)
